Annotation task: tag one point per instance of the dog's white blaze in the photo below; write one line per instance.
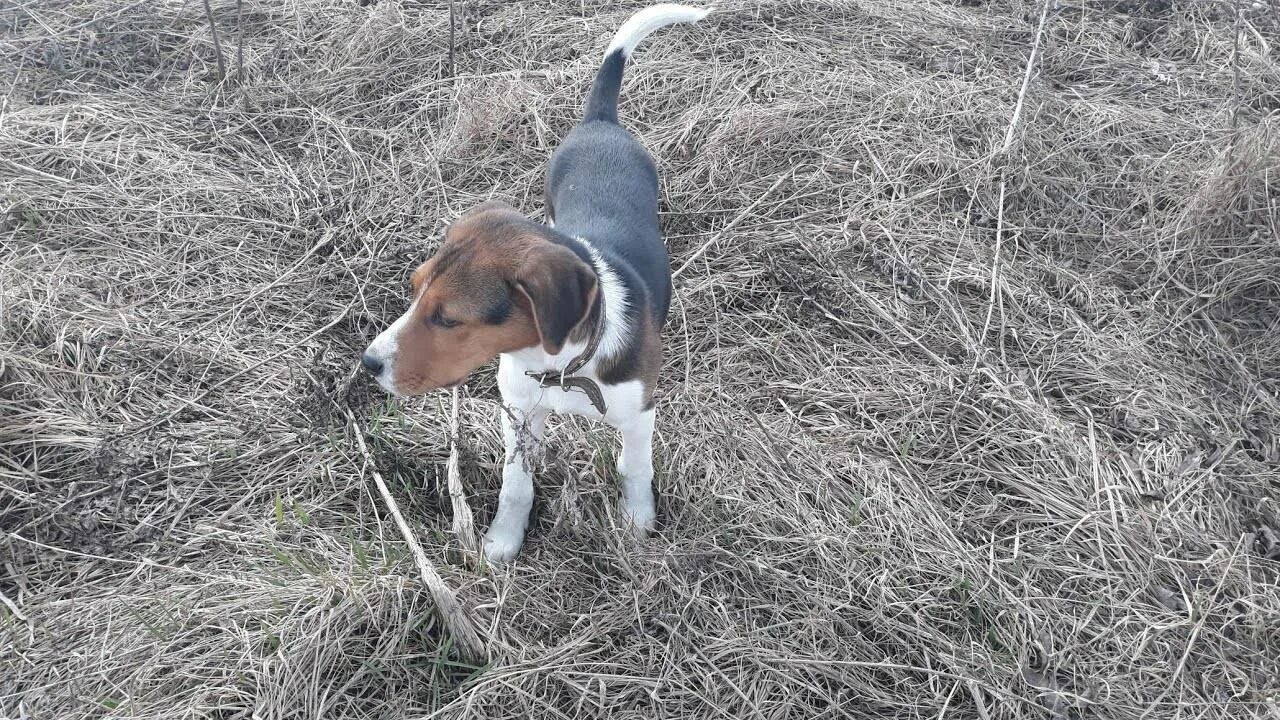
(387, 344)
(638, 26)
(615, 336)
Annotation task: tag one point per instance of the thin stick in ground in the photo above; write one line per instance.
(451, 37)
(470, 645)
(1004, 150)
(217, 45)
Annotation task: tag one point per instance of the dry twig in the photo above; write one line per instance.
(451, 613)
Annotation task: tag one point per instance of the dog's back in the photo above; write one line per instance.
(603, 186)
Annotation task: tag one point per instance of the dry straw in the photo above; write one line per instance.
(970, 405)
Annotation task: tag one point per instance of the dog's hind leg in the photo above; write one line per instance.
(635, 464)
(522, 430)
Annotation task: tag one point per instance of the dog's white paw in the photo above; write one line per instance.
(501, 546)
(638, 517)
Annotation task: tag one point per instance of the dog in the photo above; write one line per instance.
(572, 308)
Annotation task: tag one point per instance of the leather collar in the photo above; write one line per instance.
(565, 379)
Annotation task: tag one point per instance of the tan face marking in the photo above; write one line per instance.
(450, 330)
(469, 302)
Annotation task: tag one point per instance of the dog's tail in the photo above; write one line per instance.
(602, 102)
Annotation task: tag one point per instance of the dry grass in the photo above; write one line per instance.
(950, 427)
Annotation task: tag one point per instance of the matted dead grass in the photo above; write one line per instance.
(973, 414)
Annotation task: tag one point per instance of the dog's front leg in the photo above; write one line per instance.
(635, 464)
(522, 431)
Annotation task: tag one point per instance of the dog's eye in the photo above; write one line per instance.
(441, 321)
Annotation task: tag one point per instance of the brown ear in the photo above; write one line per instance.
(560, 289)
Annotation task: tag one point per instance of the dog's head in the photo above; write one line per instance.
(499, 283)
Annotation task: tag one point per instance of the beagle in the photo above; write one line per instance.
(572, 308)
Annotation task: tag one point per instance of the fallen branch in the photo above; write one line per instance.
(470, 646)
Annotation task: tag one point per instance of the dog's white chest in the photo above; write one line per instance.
(622, 401)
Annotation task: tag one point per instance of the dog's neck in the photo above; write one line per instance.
(608, 318)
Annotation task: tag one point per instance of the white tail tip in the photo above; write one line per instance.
(638, 26)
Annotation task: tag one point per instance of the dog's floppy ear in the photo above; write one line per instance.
(559, 288)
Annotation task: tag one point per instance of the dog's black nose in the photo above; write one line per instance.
(371, 363)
